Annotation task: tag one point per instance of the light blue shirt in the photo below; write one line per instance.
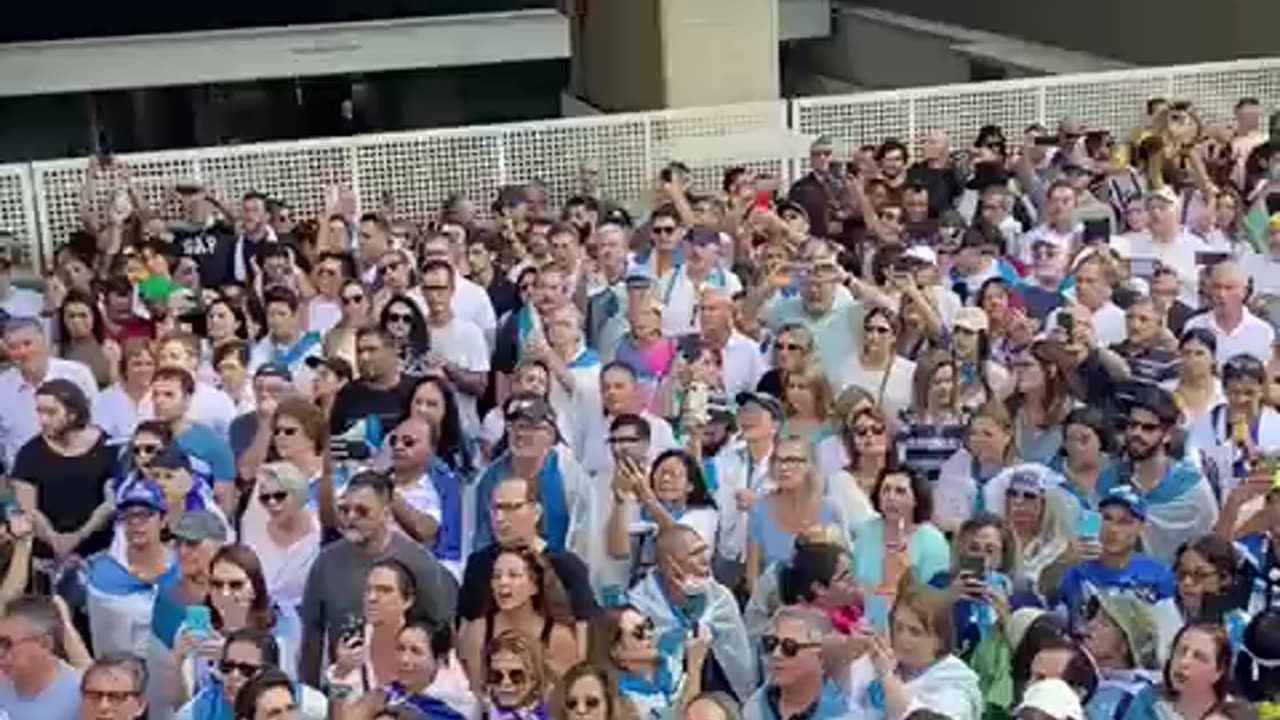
(59, 701)
(837, 333)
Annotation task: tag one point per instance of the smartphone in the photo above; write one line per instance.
(690, 347)
(974, 565)
(1067, 322)
(1210, 258)
(1088, 525)
(1143, 267)
(351, 629)
(199, 620)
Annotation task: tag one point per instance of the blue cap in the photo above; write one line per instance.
(142, 492)
(703, 236)
(171, 458)
(1127, 496)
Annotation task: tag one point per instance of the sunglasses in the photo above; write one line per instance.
(353, 299)
(112, 697)
(145, 449)
(663, 230)
(791, 346)
(644, 630)
(623, 440)
(272, 498)
(868, 430)
(516, 677)
(1022, 495)
(790, 646)
(286, 431)
(436, 288)
(404, 441)
(227, 585)
(244, 670)
(590, 702)
(399, 317)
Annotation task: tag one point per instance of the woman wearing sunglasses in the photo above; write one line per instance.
(238, 600)
(915, 667)
(287, 536)
(403, 320)
(245, 655)
(515, 679)
(586, 693)
(865, 433)
(525, 595)
(429, 680)
(652, 684)
(792, 350)
(878, 368)
(340, 341)
(1040, 514)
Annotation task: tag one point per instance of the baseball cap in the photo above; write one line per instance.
(617, 216)
(144, 493)
(1128, 497)
(278, 370)
(971, 318)
(1163, 194)
(1028, 478)
(1054, 698)
(530, 408)
(923, 253)
(788, 206)
(339, 366)
(171, 458)
(1061, 243)
(718, 406)
(1136, 623)
(198, 525)
(764, 401)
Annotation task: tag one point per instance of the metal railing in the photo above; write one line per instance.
(39, 202)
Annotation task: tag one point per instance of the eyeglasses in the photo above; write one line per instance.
(663, 229)
(272, 498)
(403, 441)
(516, 677)
(145, 449)
(244, 670)
(877, 330)
(790, 646)
(217, 585)
(91, 696)
(353, 299)
(359, 511)
(137, 514)
(286, 430)
(644, 630)
(399, 317)
(588, 703)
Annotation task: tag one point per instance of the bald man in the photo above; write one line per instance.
(1238, 331)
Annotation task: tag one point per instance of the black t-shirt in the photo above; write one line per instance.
(567, 566)
(506, 346)
(942, 183)
(358, 400)
(69, 488)
(211, 247)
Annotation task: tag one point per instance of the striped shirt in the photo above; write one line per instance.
(924, 447)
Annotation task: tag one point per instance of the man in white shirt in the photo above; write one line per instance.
(209, 405)
(680, 288)
(1167, 242)
(1094, 294)
(470, 301)
(575, 372)
(457, 346)
(1059, 227)
(285, 343)
(1238, 331)
(619, 396)
(32, 367)
(742, 362)
(16, 301)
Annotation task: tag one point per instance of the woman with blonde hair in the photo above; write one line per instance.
(807, 402)
(796, 503)
(792, 350)
(1040, 514)
(515, 677)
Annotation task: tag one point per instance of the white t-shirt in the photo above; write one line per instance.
(463, 344)
(116, 413)
(1253, 336)
(322, 314)
(1265, 270)
(1180, 254)
(209, 406)
(680, 298)
(744, 364)
(471, 302)
(892, 389)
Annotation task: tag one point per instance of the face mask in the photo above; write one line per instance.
(696, 586)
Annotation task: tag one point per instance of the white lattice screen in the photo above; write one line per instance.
(418, 170)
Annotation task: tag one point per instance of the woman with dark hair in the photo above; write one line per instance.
(1040, 402)
(524, 596)
(879, 368)
(996, 299)
(1198, 390)
(1208, 585)
(933, 429)
(82, 337)
(61, 476)
(403, 320)
(901, 541)
(675, 492)
(865, 433)
(268, 696)
(340, 341)
(1197, 675)
(651, 683)
(365, 656)
(819, 575)
(978, 378)
(429, 679)
(1257, 665)
(435, 402)
(1087, 459)
(224, 322)
(1031, 631)
(246, 654)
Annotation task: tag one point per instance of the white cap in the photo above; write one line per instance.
(924, 253)
(1053, 697)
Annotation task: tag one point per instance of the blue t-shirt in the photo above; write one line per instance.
(205, 445)
(59, 701)
(776, 544)
(1144, 577)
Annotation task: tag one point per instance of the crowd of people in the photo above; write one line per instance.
(984, 433)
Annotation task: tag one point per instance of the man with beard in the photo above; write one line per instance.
(335, 587)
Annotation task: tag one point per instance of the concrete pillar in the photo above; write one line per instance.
(650, 54)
